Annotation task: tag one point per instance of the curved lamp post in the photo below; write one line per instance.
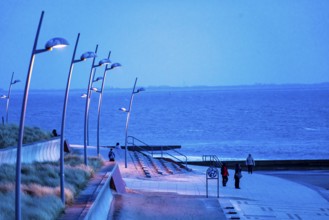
(128, 116)
(53, 43)
(100, 99)
(91, 77)
(83, 57)
(8, 95)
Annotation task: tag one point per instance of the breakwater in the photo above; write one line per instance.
(274, 164)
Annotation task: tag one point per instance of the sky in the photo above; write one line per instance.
(169, 42)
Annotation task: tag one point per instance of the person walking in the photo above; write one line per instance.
(224, 173)
(237, 176)
(250, 163)
(111, 155)
(54, 133)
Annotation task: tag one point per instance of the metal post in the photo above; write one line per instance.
(62, 175)
(21, 126)
(100, 100)
(8, 96)
(87, 109)
(127, 121)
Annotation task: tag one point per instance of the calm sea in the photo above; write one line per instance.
(276, 122)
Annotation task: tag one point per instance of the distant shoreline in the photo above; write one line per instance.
(324, 85)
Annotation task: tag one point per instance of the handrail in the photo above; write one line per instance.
(179, 160)
(133, 143)
(162, 152)
(212, 158)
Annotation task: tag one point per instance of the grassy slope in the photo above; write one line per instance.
(40, 187)
(9, 135)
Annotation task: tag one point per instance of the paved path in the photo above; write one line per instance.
(260, 197)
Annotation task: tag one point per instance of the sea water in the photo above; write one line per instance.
(270, 122)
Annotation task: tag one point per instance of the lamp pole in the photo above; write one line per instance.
(91, 77)
(53, 43)
(83, 57)
(100, 99)
(8, 95)
(128, 116)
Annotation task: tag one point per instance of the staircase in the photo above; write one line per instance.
(147, 158)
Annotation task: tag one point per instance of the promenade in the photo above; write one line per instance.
(182, 195)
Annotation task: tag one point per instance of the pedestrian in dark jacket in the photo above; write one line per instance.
(111, 155)
(224, 173)
(237, 175)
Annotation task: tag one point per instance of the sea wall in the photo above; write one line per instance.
(36, 152)
(274, 164)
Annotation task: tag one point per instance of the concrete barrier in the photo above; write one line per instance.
(101, 205)
(103, 198)
(94, 202)
(37, 152)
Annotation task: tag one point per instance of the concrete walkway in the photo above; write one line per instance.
(260, 197)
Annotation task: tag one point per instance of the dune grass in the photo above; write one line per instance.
(9, 135)
(40, 186)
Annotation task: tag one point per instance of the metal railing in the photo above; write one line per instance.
(176, 158)
(135, 142)
(212, 158)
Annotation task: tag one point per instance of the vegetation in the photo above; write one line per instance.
(9, 135)
(40, 186)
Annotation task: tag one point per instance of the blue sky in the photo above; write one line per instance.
(170, 42)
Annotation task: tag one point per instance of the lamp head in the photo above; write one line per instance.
(3, 97)
(94, 89)
(15, 81)
(56, 42)
(88, 55)
(104, 61)
(140, 90)
(115, 65)
(123, 109)
(84, 95)
(98, 78)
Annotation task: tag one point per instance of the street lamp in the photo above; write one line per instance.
(8, 95)
(128, 116)
(83, 57)
(53, 43)
(91, 79)
(100, 99)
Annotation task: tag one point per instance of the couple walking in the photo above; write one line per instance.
(237, 175)
(237, 171)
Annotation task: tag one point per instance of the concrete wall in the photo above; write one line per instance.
(36, 152)
(103, 198)
(101, 205)
(273, 164)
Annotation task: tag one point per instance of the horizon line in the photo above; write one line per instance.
(198, 86)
